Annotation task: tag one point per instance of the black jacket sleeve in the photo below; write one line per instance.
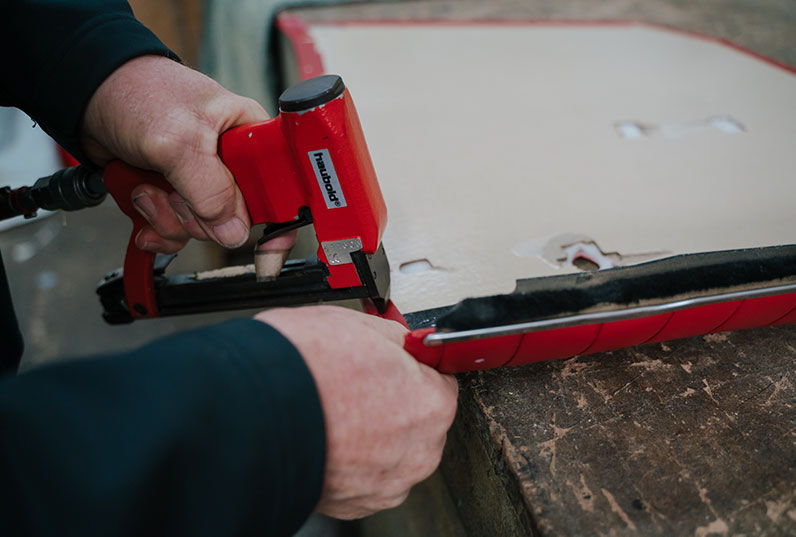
(55, 53)
(217, 432)
(10, 337)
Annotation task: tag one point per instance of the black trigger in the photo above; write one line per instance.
(275, 229)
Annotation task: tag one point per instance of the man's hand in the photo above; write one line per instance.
(386, 414)
(156, 114)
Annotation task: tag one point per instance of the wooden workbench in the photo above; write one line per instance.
(692, 437)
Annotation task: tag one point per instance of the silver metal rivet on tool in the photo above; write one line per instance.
(339, 252)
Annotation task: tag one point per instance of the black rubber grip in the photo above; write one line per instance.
(311, 93)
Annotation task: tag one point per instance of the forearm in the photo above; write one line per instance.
(217, 431)
(57, 52)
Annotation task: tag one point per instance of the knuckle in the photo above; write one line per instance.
(144, 238)
(218, 106)
(387, 500)
(395, 501)
(172, 140)
(443, 410)
(352, 512)
(449, 413)
(161, 146)
(426, 470)
(423, 466)
(249, 104)
(432, 463)
(225, 105)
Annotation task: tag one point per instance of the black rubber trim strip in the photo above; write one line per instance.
(655, 281)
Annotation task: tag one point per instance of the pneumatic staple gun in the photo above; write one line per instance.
(309, 165)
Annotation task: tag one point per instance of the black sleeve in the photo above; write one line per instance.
(218, 431)
(55, 53)
(10, 337)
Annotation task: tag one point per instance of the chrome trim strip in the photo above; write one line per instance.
(438, 338)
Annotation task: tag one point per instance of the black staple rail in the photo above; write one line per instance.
(301, 281)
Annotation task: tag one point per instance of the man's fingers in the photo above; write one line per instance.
(212, 196)
(186, 217)
(153, 204)
(449, 386)
(205, 184)
(168, 118)
(396, 436)
(148, 239)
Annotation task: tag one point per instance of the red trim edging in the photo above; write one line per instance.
(296, 30)
(308, 61)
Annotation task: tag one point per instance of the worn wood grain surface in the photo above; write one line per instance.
(690, 437)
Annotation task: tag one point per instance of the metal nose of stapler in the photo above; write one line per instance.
(310, 165)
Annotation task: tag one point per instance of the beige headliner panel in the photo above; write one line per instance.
(490, 139)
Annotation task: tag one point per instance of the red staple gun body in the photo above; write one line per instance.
(309, 165)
